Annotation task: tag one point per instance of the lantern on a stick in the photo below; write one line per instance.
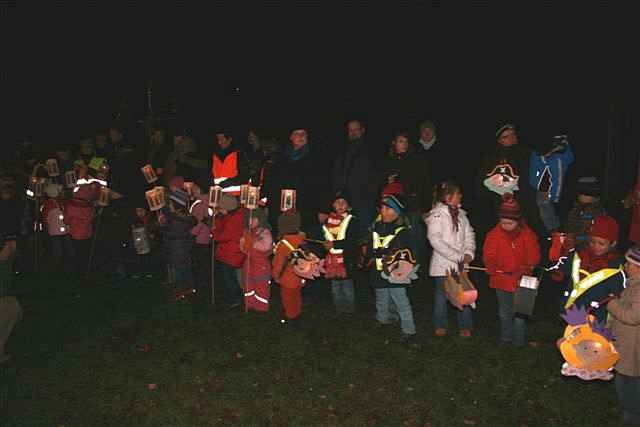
(149, 174)
(287, 200)
(215, 195)
(141, 240)
(70, 178)
(52, 167)
(244, 194)
(253, 196)
(155, 198)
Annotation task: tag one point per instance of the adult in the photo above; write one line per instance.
(298, 169)
(355, 172)
(406, 166)
(438, 155)
(229, 165)
(184, 160)
(505, 169)
(255, 156)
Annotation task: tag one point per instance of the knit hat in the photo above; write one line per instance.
(633, 255)
(180, 197)
(289, 222)
(428, 124)
(342, 194)
(509, 208)
(228, 202)
(393, 188)
(605, 227)
(395, 202)
(588, 186)
(176, 182)
(503, 128)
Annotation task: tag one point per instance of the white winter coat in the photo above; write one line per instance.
(449, 246)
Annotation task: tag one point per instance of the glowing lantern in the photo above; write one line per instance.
(253, 196)
(141, 240)
(70, 178)
(244, 194)
(215, 195)
(287, 200)
(155, 198)
(52, 167)
(149, 174)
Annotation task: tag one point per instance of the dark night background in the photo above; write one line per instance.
(468, 69)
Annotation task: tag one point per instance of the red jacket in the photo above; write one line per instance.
(509, 256)
(226, 234)
(282, 270)
(79, 216)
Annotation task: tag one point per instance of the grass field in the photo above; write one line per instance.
(120, 355)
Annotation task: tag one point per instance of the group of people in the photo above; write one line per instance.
(356, 213)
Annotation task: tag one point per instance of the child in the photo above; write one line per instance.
(510, 251)
(547, 171)
(201, 211)
(53, 215)
(228, 256)
(176, 225)
(390, 235)
(585, 209)
(79, 216)
(599, 255)
(282, 268)
(341, 243)
(257, 244)
(453, 240)
(625, 325)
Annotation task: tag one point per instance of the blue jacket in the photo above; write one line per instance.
(556, 165)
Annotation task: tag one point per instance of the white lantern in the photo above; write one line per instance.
(287, 200)
(37, 186)
(103, 196)
(149, 174)
(141, 240)
(244, 194)
(253, 196)
(70, 178)
(215, 195)
(155, 198)
(52, 167)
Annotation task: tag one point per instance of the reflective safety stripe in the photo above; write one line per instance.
(575, 268)
(83, 181)
(342, 233)
(266, 301)
(231, 189)
(219, 180)
(248, 294)
(383, 242)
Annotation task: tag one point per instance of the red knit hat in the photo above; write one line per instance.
(605, 227)
(393, 188)
(509, 208)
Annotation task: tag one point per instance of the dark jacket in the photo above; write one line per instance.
(413, 173)
(176, 237)
(354, 170)
(401, 241)
(302, 171)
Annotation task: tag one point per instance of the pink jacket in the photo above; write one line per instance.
(257, 245)
(200, 211)
(53, 213)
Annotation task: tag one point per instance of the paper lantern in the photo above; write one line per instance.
(253, 197)
(52, 167)
(155, 198)
(103, 196)
(524, 299)
(244, 194)
(70, 178)
(215, 195)
(37, 186)
(141, 240)
(188, 186)
(287, 200)
(149, 174)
